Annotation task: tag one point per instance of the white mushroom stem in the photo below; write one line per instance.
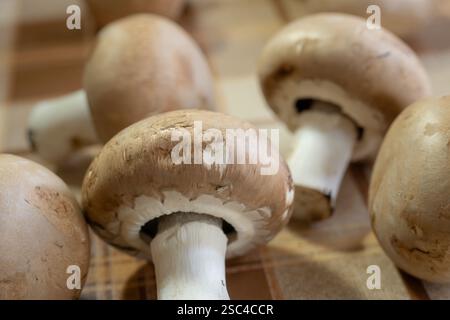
(60, 126)
(189, 257)
(324, 144)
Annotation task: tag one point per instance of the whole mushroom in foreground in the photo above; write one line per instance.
(106, 11)
(42, 233)
(337, 85)
(185, 216)
(140, 66)
(402, 17)
(409, 196)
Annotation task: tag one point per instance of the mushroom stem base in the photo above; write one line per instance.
(189, 257)
(323, 149)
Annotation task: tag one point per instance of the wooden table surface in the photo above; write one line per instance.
(41, 58)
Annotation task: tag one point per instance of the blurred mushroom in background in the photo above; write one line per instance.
(106, 11)
(402, 17)
(337, 85)
(141, 65)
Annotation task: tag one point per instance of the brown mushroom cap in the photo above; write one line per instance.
(143, 65)
(402, 17)
(409, 198)
(370, 74)
(134, 181)
(106, 11)
(42, 233)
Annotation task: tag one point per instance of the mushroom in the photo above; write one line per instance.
(402, 17)
(106, 11)
(42, 234)
(185, 217)
(141, 65)
(409, 194)
(61, 126)
(337, 85)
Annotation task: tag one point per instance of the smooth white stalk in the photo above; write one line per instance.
(59, 126)
(324, 144)
(189, 257)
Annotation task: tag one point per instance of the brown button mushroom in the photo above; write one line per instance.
(402, 17)
(141, 65)
(106, 11)
(337, 85)
(42, 234)
(409, 197)
(185, 217)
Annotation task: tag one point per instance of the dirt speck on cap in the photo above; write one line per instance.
(56, 207)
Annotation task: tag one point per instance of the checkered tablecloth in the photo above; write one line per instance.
(40, 58)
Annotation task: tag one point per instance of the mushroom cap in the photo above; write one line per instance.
(134, 180)
(402, 17)
(143, 65)
(409, 195)
(106, 11)
(370, 74)
(42, 233)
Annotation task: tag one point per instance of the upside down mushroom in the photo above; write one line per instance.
(337, 85)
(141, 65)
(187, 216)
(42, 233)
(409, 195)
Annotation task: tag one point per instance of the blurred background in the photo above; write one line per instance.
(40, 58)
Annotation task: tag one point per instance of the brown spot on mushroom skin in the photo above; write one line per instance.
(410, 188)
(282, 72)
(436, 127)
(55, 207)
(426, 254)
(42, 232)
(143, 65)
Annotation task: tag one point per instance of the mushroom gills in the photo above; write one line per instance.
(188, 252)
(323, 147)
(150, 229)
